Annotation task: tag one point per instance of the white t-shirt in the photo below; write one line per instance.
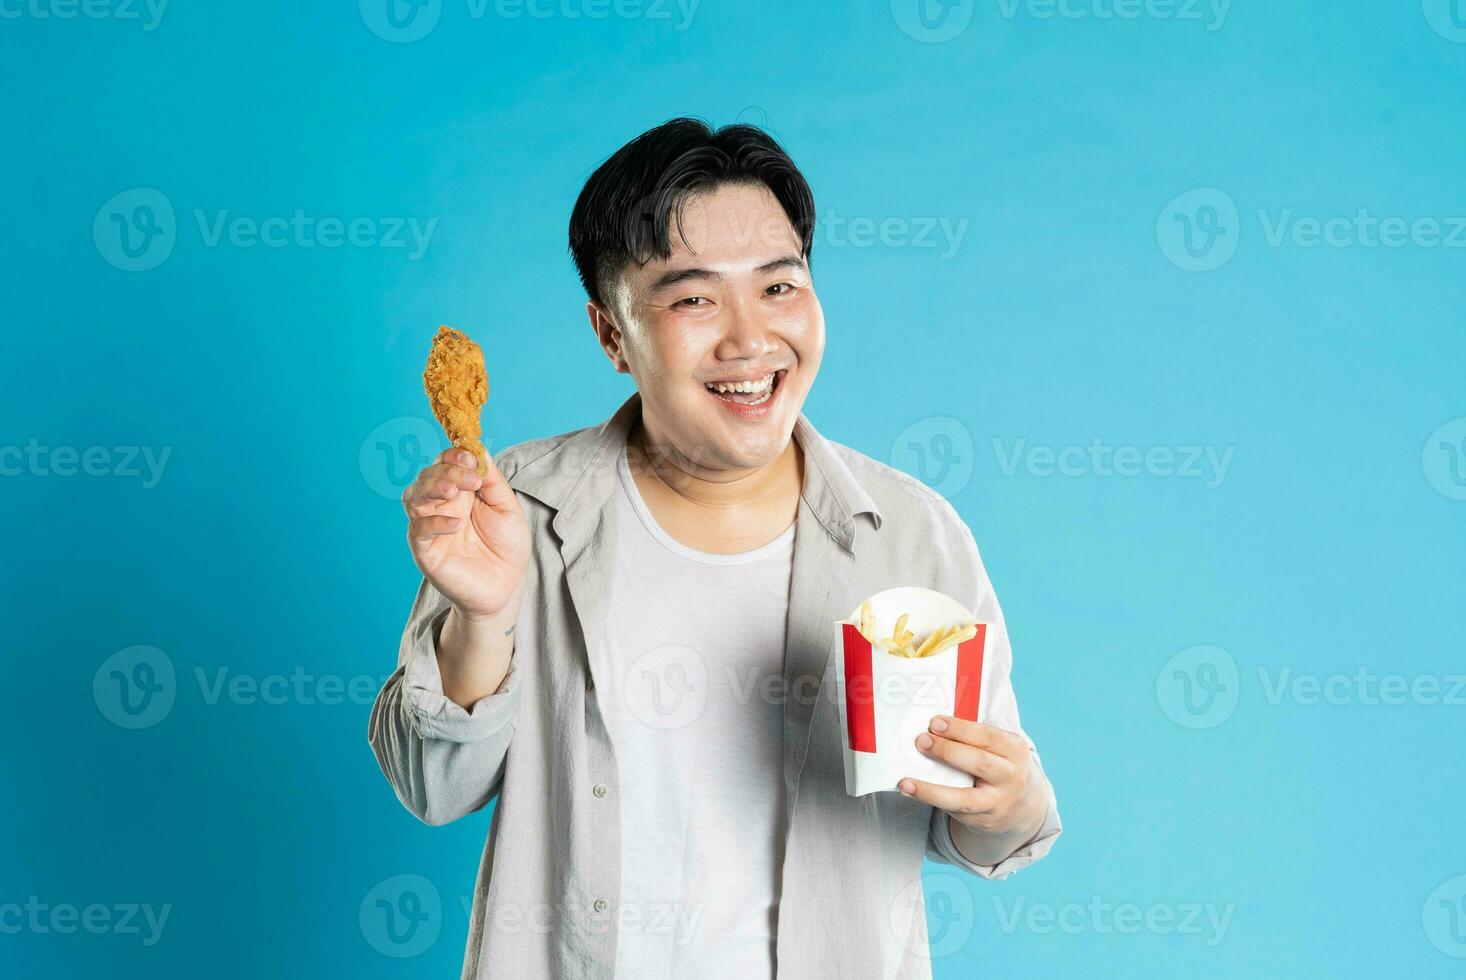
(695, 643)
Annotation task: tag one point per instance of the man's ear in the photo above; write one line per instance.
(608, 335)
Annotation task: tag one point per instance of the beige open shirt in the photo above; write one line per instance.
(545, 904)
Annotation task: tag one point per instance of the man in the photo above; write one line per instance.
(625, 633)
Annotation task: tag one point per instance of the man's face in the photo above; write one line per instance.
(733, 303)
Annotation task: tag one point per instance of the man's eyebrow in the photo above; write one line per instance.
(782, 262)
(675, 277)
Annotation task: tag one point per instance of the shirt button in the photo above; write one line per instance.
(600, 790)
(601, 905)
(590, 684)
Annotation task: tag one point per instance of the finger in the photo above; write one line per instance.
(953, 799)
(423, 529)
(441, 481)
(455, 456)
(968, 758)
(495, 491)
(999, 741)
(426, 492)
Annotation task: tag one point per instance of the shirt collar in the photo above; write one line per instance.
(577, 476)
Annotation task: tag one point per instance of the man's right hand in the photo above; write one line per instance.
(469, 537)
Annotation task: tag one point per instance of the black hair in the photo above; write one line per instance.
(626, 208)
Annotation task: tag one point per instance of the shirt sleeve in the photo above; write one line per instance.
(942, 849)
(1001, 712)
(443, 761)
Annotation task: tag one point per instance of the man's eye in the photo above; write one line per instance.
(693, 302)
(781, 288)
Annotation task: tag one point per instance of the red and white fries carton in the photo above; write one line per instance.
(886, 700)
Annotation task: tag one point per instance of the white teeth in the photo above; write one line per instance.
(743, 386)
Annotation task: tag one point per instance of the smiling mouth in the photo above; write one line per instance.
(754, 392)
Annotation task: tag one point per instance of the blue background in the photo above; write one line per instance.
(272, 543)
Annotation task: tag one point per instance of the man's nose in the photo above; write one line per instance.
(747, 334)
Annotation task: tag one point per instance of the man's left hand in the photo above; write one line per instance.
(1008, 799)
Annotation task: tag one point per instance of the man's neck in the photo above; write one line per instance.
(723, 512)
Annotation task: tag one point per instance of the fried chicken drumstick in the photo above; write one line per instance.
(457, 387)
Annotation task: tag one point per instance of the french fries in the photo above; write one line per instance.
(900, 642)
